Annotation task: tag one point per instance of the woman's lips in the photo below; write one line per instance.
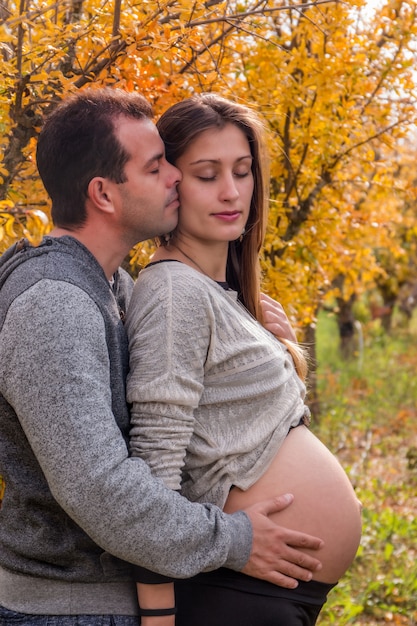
(228, 217)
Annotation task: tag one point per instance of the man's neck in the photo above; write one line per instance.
(107, 250)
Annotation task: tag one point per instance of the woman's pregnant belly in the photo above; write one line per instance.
(325, 504)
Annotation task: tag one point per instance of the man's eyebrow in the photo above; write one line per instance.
(156, 157)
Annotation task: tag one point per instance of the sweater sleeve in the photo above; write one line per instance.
(169, 337)
(54, 370)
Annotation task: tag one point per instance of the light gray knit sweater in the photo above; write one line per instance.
(214, 394)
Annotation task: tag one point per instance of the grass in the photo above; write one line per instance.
(369, 420)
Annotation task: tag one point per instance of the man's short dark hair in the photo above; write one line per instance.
(78, 142)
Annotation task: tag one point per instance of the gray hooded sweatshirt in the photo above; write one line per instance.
(77, 510)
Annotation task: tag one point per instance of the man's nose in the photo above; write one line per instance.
(175, 175)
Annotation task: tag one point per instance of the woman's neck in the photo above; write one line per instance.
(208, 260)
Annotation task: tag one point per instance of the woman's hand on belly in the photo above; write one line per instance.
(275, 552)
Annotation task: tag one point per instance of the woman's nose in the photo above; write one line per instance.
(229, 190)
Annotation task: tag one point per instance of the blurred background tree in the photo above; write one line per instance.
(333, 81)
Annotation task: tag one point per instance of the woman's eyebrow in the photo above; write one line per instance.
(242, 158)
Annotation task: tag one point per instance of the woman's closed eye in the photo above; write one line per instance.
(206, 178)
(213, 177)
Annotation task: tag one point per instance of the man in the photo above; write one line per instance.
(77, 510)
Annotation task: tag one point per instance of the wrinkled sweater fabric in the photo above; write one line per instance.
(213, 393)
(77, 510)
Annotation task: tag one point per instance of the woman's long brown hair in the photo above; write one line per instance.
(183, 123)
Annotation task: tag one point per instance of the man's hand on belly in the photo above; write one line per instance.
(275, 554)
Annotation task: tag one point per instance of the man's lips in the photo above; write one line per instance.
(173, 200)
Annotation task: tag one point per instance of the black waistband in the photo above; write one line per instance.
(313, 592)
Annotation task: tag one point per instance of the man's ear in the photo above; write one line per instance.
(100, 192)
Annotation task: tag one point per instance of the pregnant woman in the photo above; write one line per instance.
(218, 401)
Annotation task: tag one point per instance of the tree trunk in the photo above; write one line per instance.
(346, 324)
